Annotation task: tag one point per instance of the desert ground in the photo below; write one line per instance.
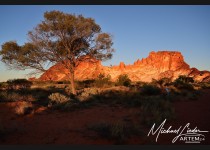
(119, 119)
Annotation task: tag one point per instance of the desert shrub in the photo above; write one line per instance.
(57, 98)
(19, 84)
(87, 93)
(149, 89)
(161, 82)
(24, 108)
(103, 81)
(123, 80)
(184, 82)
(3, 85)
(205, 85)
(113, 131)
(184, 79)
(12, 96)
(85, 84)
(155, 110)
(182, 85)
(117, 131)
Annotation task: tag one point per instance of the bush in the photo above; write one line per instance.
(161, 82)
(103, 80)
(123, 80)
(113, 131)
(148, 89)
(12, 96)
(184, 79)
(155, 110)
(182, 85)
(15, 84)
(57, 98)
(87, 93)
(24, 108)
(205, 85)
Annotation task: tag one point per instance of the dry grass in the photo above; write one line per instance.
(23, 108)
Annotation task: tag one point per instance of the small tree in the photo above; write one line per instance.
(123, 79)
(62, 38)
(102, 80)
(184, 79)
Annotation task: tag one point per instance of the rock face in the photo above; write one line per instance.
(157, 65)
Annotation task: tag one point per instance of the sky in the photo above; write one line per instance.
(136, 30)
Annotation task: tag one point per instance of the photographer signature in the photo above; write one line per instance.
(185, 133)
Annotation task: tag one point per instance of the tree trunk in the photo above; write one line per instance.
(72, 83)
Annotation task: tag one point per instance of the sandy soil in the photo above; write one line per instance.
(54, 127)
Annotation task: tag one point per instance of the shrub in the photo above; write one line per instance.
(113, 131)
(205, 85)
(103, 80)
(12, 96)
(57, 98)
(123, 80)
(148, 89)
(117, 131)
(24, 108)
(155, 110)
(184, 79)
(18, 84)
(183, 85)
(161, 82)
(87, 93)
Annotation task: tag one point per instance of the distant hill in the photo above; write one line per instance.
(157, 65)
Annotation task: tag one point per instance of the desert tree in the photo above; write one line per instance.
(63, 38)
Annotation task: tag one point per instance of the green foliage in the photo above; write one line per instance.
(60, 38)
(103, 81)
(123, 80)
(149, 89)
(184, 79)
(183, 85)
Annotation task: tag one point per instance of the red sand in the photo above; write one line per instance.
(54, 127)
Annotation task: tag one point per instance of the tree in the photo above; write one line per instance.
(62, 38)
(124, 80)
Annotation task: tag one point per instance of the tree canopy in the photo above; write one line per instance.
(60, 38)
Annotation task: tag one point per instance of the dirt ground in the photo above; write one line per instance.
(53, 127)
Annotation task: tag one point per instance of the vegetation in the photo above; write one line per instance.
(62, 38)
(117, 131)
(24, 108)
(123, 80)
(57, 98)
(103, 81)
(149, 89)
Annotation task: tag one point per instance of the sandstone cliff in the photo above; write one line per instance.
(157, 65)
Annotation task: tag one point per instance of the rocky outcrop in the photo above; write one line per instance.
(157, 65)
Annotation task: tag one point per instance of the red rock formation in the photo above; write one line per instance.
(157, 65)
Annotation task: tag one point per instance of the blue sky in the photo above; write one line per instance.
(136, 30)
